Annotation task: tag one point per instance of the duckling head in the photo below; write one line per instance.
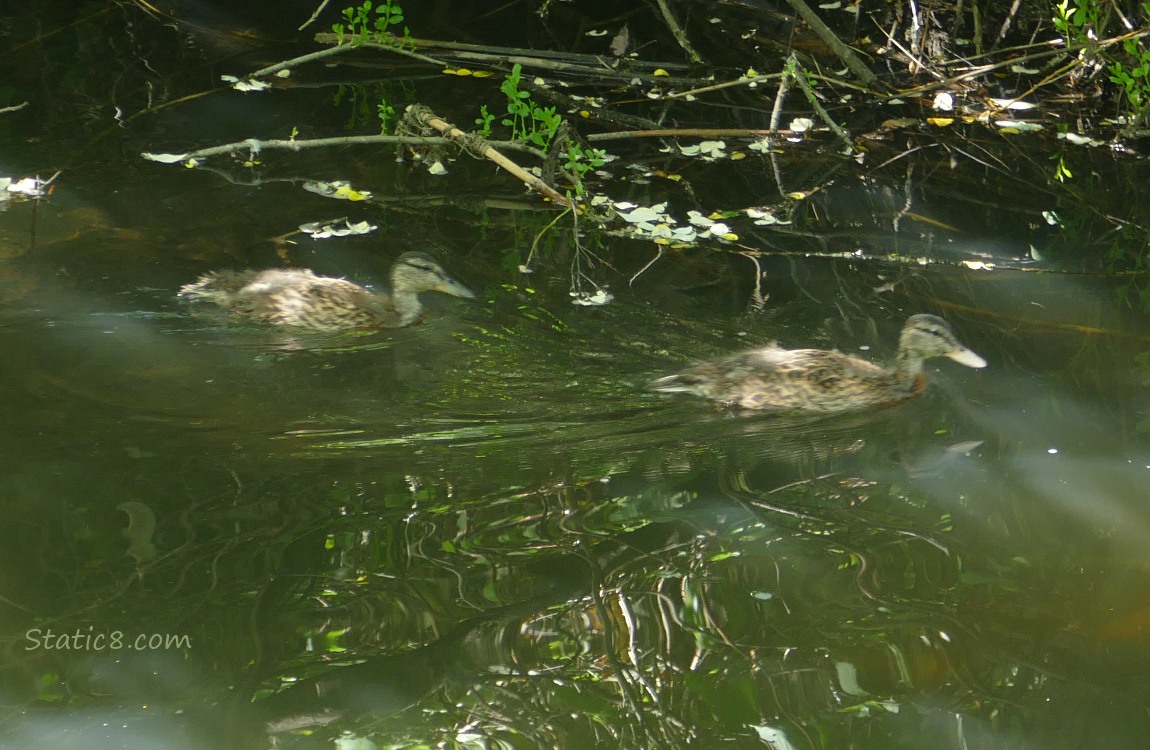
(926, 336)
(416, 272)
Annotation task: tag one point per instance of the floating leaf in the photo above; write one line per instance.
(320, 230)
(641, 214)
(600, 297)
(713, 148)
(698, 219)
(1013, 104)
(761, 216)
(29, 186)
(1079, 140)
(245, 85)
(1018, 126)
(337, 189)
(164, 158)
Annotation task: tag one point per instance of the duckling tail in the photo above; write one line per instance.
(679, 383)
(216, 286)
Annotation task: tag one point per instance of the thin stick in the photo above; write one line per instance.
(677, 32)
(844, 53)
(799, 77)
(687, 133)
(314, 15)
(255, 145)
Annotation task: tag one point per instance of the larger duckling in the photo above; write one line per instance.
(814, 380)
(297, 297)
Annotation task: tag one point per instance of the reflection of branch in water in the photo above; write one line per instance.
(661, 730)
(758, 297)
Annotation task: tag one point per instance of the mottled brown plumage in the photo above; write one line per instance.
(298, 298)
(815, 380)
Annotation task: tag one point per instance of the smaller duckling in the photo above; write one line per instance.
(815, 380)
(297, 297)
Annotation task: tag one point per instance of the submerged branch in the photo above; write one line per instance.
(677, 32)
(844, 52)
(254, 145)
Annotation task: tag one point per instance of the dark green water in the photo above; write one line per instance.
(482, 531)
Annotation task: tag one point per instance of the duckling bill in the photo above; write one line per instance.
(299, 298)
(815, 380)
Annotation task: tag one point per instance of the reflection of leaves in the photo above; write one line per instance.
(733, 699)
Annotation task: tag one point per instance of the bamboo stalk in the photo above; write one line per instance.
(473, 144)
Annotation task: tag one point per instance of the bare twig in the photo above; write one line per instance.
(677, 32)
(339, 50)
(1006, 23)
(799, 77)
(569, 62)
(743, 81)
(844, 53)
(255, 145)
(686, 133)
(641, 271)
(314, 15)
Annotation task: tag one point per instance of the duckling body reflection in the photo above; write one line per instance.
(300, 299)
(815, 380)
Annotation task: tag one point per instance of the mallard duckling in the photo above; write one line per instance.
(297, 297)
(814, 380)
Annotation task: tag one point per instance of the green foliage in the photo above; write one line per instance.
(1062, 172)
(484, 122)
(1076, 22)
(1129, 68)
(528, 121)
(386, 114)
(358, 99)
(372, 23)
(1135, 77)
(1130, 251)
(580, 161)
(369, 104)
